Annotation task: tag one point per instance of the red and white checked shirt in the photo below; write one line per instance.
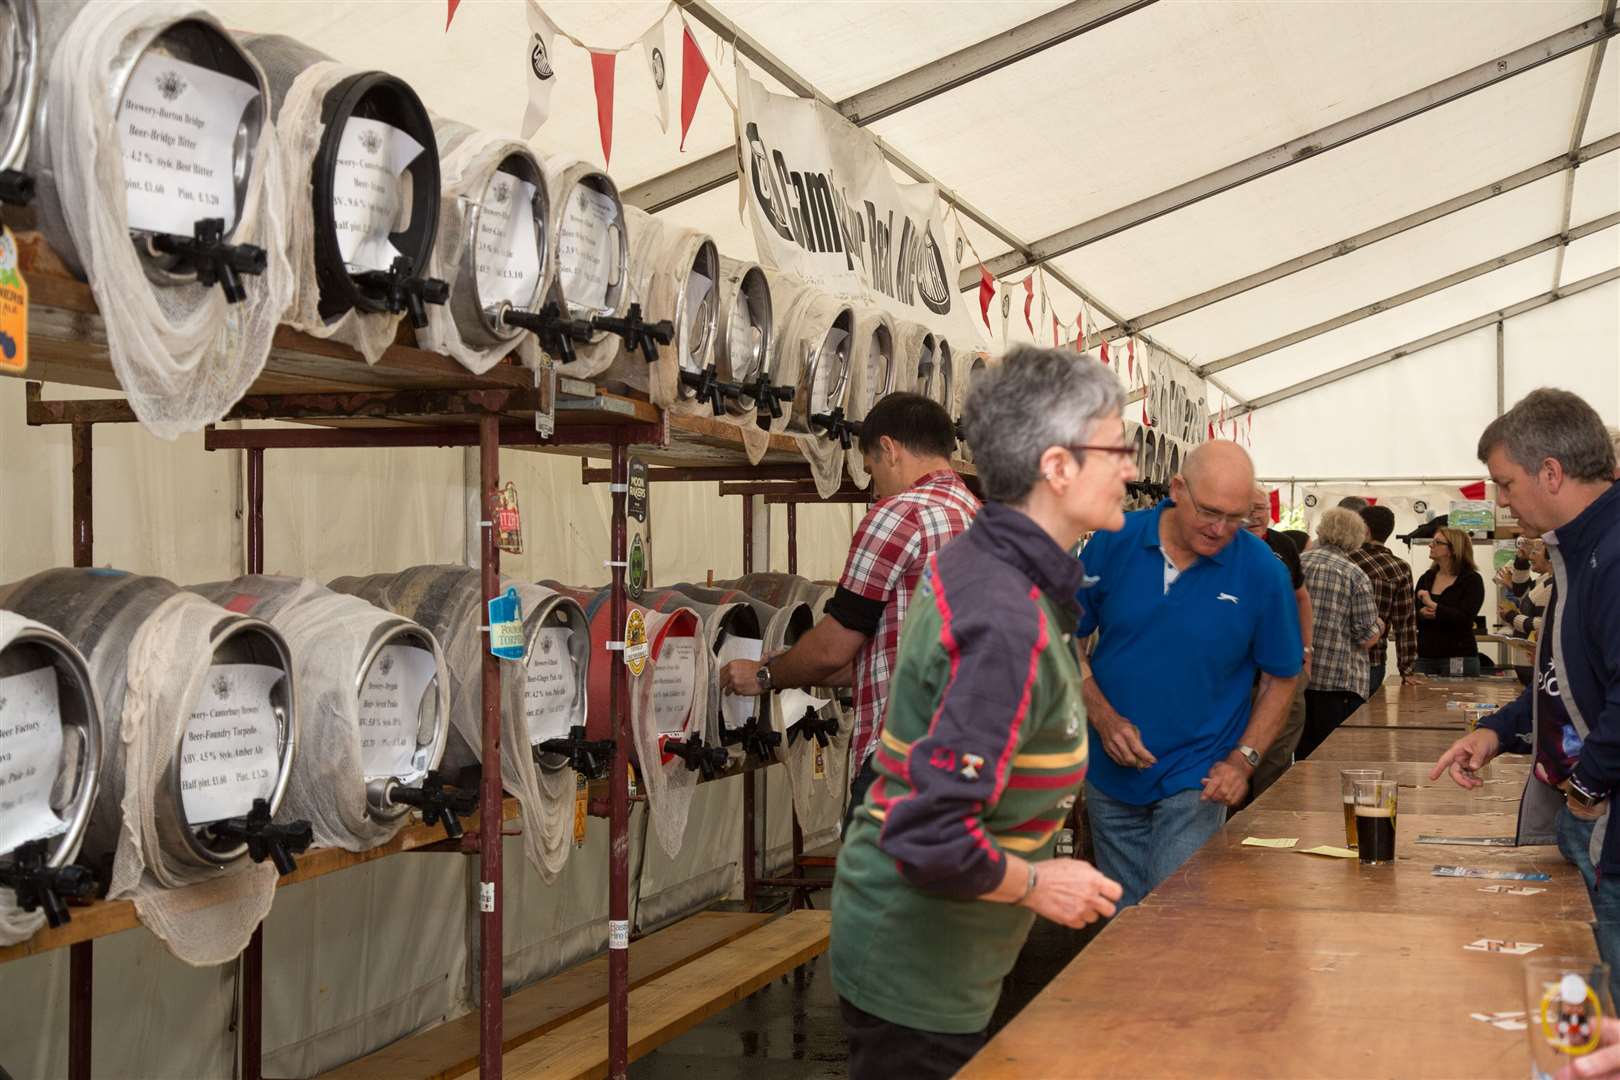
(886, 559)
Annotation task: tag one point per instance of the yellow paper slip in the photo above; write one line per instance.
(1330, 851)
(1280, 842)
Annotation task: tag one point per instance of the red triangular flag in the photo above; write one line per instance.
(602, 74)
(1211, 432)
(1474, 491)
(452, 13)
(1372, 502)
(694, 73)
(1130, 355)
(1276, 506)
(1104, 348)
(1145, 421)
(1029, 298)
(1054, 330)
(987, 291)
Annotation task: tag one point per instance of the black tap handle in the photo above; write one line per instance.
(813, 725)
(400, 290)
(214, 261)
(264, 840)
(439, 802)
(587, 756)
(39, 885)
(636, 332)
(16, 189)
(557, 333)
(833, 425)
(707, 760)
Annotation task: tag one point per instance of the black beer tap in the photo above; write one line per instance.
(556, 332)
(438, 801)
(813, 725)
(215, 261)
(707, 387)
(768, 399)
(756, 738)
(399, 289)
(589, 757)
(834, 426)
(278, 843)
(708, 760)
(39, 885)
(636, 332)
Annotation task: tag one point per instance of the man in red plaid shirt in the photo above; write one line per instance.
(906, 441)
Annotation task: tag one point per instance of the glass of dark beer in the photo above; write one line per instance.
(1347, 792)
(1375, 820)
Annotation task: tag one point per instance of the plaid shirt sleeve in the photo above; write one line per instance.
(885, 545)
(1403, 615)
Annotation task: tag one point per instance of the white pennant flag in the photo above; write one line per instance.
(542, 32)
(654, 45)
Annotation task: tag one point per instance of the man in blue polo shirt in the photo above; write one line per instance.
(1188, 607)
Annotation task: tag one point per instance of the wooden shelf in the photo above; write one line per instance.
(106, 917)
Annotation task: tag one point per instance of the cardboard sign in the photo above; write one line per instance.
(508, 520)
(636, 499)
(13, 308)
(506, 626)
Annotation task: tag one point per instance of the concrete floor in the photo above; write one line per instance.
(790, 1030)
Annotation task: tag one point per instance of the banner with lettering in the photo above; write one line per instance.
(824, 206)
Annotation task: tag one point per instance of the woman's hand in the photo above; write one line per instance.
(1072, 892)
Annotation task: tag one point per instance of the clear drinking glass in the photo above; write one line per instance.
(1347, 792)
(1565, 1001)
(1375, 820)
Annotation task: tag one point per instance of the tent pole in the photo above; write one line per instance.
(490, 1035)
(618, 787)
(82, 956)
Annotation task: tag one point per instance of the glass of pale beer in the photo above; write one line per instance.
(1566, 999)
(1375, 820)
(1347, 792)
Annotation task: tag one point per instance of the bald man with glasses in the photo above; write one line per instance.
(1189, 608)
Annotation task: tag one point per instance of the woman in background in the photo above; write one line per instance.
(1449, 595)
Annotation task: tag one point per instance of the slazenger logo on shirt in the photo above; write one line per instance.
(1226, 596)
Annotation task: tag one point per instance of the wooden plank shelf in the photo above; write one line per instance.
(106, 917)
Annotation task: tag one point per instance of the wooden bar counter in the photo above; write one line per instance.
(1263, 962)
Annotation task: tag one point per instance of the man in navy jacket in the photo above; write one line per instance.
(1553, 463)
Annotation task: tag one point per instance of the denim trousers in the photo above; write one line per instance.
(1140, 846)
(1574, 842)
(1375, 678)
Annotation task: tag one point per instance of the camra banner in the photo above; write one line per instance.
(825, 207)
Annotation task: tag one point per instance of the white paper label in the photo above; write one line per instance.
(550, 688)
(30, 756)
(587, 248)
(486, 896)
(735, 710)
(674, 679)
(508, 257)
(368, 191)
(228, 755)
(390, 704)
(793, 702)
(177, 132)
(618, 933)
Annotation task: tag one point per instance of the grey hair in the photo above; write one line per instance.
(1555, 424)
(1037, 399)
(1341, 528)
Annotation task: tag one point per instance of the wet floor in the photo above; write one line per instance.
(790, 1030)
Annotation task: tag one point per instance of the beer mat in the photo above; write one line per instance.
(1469, 841)
(1330, 851)
(1490, 875)
(1511, 890)
(1279, 842)
(1498, 1017)
(1506, 948)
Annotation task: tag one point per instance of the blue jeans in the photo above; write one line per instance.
(1375, 677)
(1140, 846)
(1575, 842)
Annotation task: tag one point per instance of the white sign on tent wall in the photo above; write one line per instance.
(824, 206)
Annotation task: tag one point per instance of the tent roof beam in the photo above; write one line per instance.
(885, 99)
(1551, 243)
(1199, 301)
(1583, 109)
(1437, 338)
(1296, 150)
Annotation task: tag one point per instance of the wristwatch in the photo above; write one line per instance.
(764, 677)
(1250, 754)
(1580, 796)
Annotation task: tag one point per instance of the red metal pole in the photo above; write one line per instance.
(793, 537)
(82, 957)
(253, 955)
(618, 791)
(489, 799)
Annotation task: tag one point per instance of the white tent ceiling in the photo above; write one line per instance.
(1163, 94)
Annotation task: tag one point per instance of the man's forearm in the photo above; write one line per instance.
(1270, 710)
(822, 657)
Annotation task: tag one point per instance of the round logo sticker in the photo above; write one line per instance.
(635, 643)
(538, 60)
(636, 575)
(658, 68)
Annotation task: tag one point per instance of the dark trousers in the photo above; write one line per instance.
(879, 1050)
(857, 789)
(1325, 710)
(1379, 670)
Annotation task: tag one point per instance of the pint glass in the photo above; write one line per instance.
(1565, 1002)
(1375, 820)
(1347, 792)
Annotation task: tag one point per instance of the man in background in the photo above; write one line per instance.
(1392, 591)
(906, 442)
(1189, 608)
(1276, 760)
(1355, 503)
